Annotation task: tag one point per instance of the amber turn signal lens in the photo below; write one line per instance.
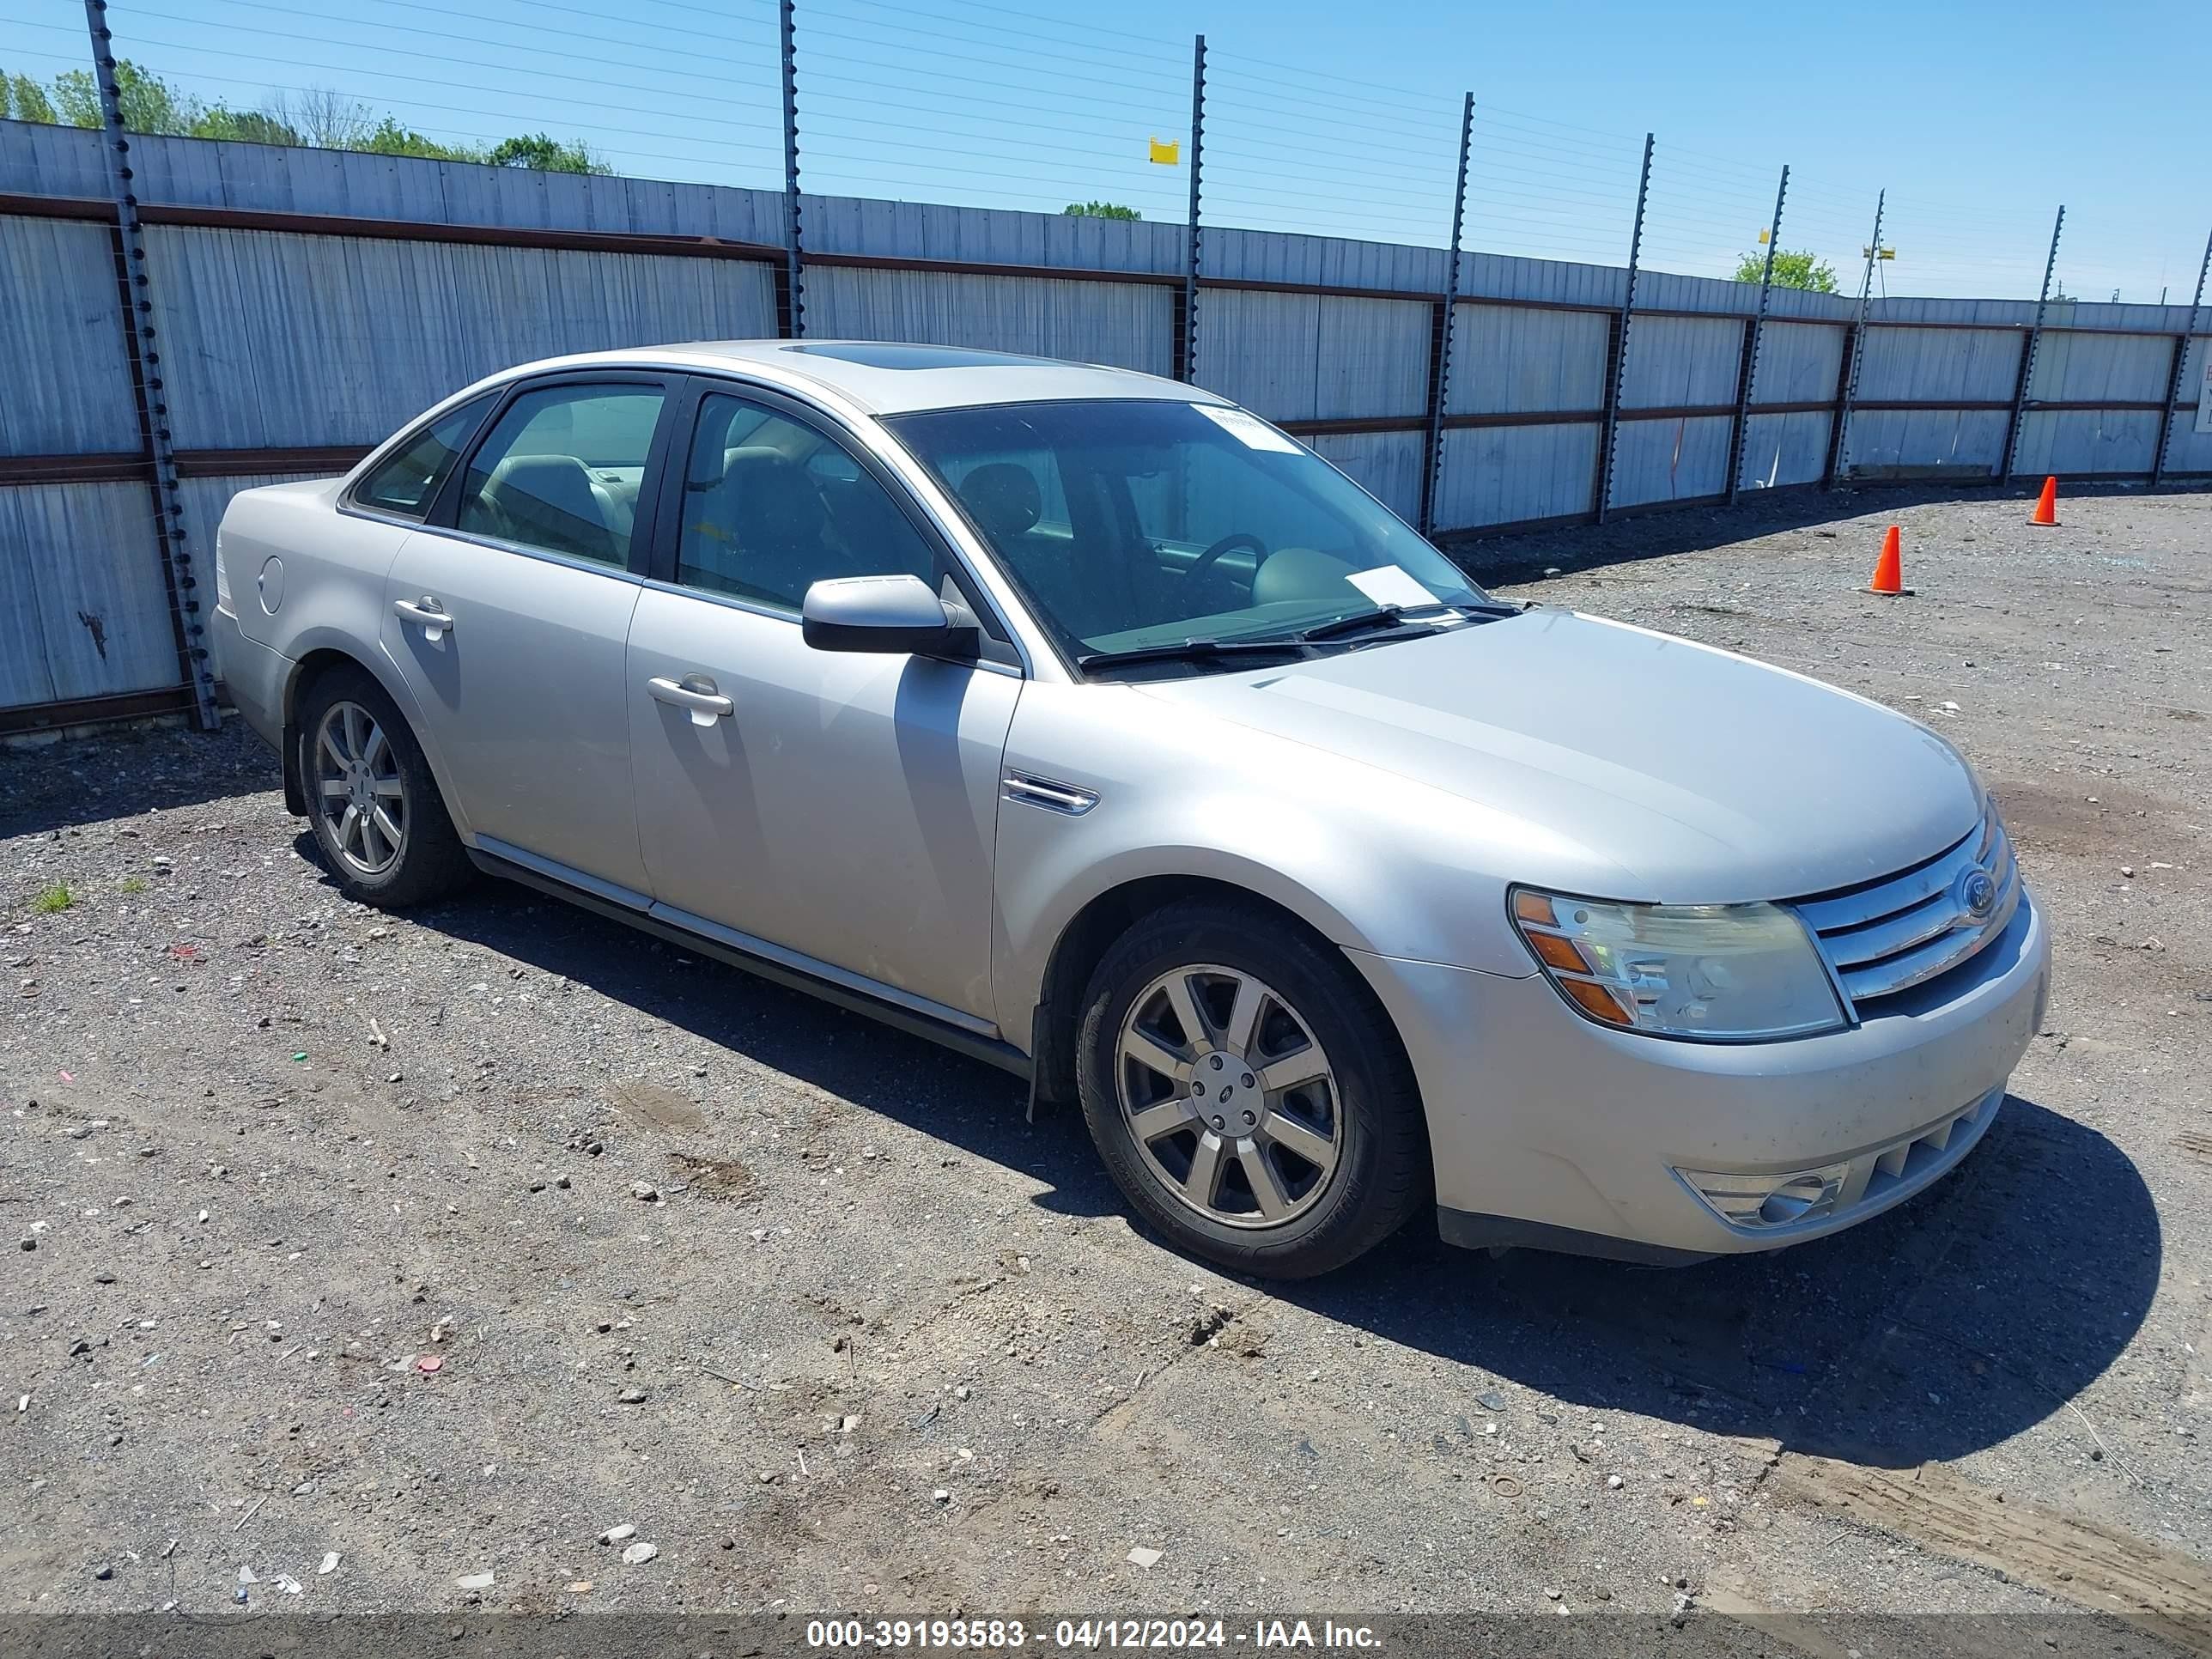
(1534, 908)
(1562, 953)
(1596, 1000)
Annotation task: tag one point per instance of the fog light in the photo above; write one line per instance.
(1755, 1202)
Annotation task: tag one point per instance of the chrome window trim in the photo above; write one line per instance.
(569, 561)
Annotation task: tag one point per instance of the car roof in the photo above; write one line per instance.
(890, 378)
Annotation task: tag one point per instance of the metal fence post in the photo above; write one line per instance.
(1752, 338)
(1619, 377)
(141, 347)
(1440, 352)
(794, 305)
(2028, 351)
(1187, 365)
(1839, 450)
(2180, 361)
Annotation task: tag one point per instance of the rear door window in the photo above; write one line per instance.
(562, 469)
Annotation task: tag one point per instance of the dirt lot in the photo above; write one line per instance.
(331, 1246)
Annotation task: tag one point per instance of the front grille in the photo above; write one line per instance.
(1887, 936)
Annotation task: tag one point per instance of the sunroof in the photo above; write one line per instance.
(886, 353)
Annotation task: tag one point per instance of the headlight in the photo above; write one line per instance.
(1724, 973)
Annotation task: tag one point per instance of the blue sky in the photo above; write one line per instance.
(1979, 119)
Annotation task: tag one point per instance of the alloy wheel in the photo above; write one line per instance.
(1229, 1096)
(359, 792)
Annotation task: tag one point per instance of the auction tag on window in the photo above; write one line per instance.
(1391, 584)
(1248, 430)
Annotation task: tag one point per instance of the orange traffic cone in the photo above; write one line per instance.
(1889, 568)
(2046, 510)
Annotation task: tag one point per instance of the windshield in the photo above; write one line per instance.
(1136, 524)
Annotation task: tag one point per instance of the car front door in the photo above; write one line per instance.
(506, 614)
(835, 811)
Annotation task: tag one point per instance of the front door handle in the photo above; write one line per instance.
(425, 611)
(695, 692)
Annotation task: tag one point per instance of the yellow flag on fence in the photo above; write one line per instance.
(1167, 152)
(1764, 235)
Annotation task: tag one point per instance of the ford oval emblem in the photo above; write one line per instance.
(1976, 893)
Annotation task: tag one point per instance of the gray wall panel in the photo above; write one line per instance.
(1681, 361)
(1670, 460)
(65, 378)
(1372, 358)
(1261, 351)
(378, 330)
(2189, 449)
(2086, 441)
(83, 612)
(2117, 369)
(1970, 365)
(36, 160)
(1128, 324)
(1798, 363)
(1784, 449)
(1387, 464)
(1503, 474)
(1970, 439)
(1511, 360)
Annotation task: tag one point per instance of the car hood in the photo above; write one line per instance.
(1701, 776)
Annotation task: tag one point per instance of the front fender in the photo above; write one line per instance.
(1372, 862)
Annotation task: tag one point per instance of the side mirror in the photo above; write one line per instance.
(884, 614)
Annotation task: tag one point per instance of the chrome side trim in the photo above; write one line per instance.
(815, 967)
(613, 892)
(915, 1015)
(1068, 798)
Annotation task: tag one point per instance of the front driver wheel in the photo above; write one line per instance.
(378, 817)
(1248, 1094)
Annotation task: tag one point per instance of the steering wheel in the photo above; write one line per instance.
(1205, 562)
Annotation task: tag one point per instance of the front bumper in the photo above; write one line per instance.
(1546, 1129)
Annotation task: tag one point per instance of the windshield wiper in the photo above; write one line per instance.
(1390, 615)
(1190, 651)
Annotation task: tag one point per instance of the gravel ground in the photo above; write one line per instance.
(436, 1246)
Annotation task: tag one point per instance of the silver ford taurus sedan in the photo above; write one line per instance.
(1090, 724)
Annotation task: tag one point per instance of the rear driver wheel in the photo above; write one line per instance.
(377, 814)
(1246, 1093)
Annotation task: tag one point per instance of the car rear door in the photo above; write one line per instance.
(506, 614)
(834, 811)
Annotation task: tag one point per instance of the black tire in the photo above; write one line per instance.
(431, 862)
(1381, 1175)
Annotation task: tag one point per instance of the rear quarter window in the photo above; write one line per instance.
(408, 481)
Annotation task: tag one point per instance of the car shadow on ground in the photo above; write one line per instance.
(1945, 1326)
(64, 784)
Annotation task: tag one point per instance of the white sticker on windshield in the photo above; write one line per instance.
(1391, 584)
(1248, 429)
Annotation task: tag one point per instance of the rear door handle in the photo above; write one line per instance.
(425, 611)
(695, 692)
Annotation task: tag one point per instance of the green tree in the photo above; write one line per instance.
(545, 154)
(388, 137)
(22, 98)
(1793, 268)
(250, 126)
(148, 103)
(1099, 210)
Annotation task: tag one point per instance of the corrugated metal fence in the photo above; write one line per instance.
(307, 302)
